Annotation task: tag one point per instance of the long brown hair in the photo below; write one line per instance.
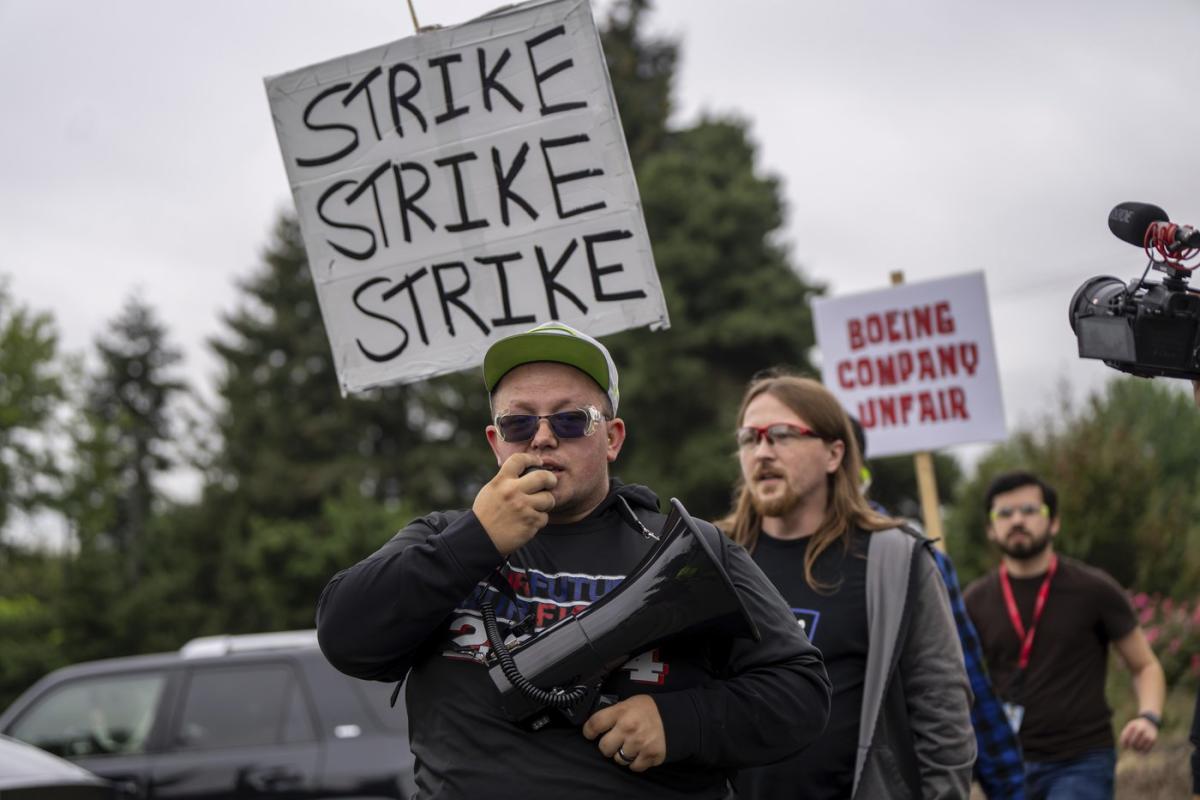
(846, 507)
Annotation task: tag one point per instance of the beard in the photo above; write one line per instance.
(777, 505)
(1032, 547)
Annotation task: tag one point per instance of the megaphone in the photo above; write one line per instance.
(678, 588)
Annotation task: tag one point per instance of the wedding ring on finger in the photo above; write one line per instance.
(622, 759)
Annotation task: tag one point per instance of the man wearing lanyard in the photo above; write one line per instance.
(1046, 622)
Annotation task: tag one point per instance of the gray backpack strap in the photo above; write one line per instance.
(889, 563)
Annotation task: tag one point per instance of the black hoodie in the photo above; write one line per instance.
(412, 608)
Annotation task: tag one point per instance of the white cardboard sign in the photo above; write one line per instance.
(915, 363)
(461, 185)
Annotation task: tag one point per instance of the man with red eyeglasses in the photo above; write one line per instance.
(548, 535)
(870, 596)
(1045, 622)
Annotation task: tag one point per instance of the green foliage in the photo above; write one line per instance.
(289, 439)
(642, 71)
(289, 443)
(128, 404)
(30, 638)
(174, 601)
(291, 561)
(285, 441)
(120, 441)
(1124, 467)
(30, 390)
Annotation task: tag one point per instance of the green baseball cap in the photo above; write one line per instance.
(552, 341)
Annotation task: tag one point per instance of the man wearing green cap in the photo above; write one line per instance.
(550, 534)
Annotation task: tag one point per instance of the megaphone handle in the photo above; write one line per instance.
(590, 703)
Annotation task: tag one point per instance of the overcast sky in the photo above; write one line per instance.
(935, 137)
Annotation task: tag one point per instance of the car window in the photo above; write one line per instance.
(93, 716)
(241, 706)
(297, 721)
(378, 697)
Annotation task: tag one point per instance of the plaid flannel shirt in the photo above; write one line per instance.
(999, 767)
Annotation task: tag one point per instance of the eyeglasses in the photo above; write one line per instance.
(1026, 510)
(565, 424)
(775, 433)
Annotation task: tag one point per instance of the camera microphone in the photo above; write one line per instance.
(1130, 222)
(1142, 327)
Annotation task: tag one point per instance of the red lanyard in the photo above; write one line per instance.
(1014, 615)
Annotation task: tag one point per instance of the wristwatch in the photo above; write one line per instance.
(1152, 718)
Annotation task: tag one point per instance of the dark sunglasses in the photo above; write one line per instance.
(565, 424)
(776, 433)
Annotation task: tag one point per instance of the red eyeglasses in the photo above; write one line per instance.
(775, 433)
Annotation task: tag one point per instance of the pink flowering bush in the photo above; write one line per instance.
(1173, 629)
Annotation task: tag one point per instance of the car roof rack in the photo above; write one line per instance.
(225, 644)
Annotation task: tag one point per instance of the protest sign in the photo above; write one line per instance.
(915, 363)
(461, 185)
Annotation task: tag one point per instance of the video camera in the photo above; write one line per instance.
(1145, 329)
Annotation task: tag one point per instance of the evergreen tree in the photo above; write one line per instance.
(31, 389)
(129, 404)
(121, 442)
(737, 303)
(31, 393)
(642, 70)
(293, 452)
(289, 439)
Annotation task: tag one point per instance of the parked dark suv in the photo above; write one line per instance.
(226, 716)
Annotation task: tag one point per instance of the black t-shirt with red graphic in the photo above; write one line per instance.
(413, 607)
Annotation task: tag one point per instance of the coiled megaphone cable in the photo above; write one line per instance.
(556, 698)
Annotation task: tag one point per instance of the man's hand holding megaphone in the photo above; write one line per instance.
(631, 733)
(512, 507)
